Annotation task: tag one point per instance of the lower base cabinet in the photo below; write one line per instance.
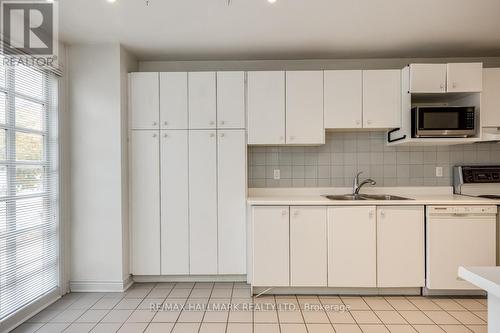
(400, 247)
(352, 259)
(271, 244)
(338, 247)
(308, 247)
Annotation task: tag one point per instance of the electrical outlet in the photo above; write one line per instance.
(439, 171)
(277, 174)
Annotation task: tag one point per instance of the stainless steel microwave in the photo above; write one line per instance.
(443, 121)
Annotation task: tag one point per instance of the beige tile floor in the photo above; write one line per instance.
(184, 312)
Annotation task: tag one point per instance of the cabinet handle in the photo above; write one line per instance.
(382, 214)
(369, 122)
(296, 213)
(165, 123)
(212, 123)
(154, 135)
(454, 84)
(441, 86)
(212, 135)
(358, 122)
(284, 212)
(222, 135)
(371, 214)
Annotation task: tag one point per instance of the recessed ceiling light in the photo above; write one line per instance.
(271, 1)
(111, 1)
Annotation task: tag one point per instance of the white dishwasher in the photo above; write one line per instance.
(458, 236)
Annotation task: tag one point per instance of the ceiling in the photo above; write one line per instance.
(287, 29)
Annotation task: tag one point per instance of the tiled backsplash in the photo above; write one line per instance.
(344, 154)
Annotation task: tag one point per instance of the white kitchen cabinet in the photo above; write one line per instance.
(465, 77)
(231, 161)
(174, 202)
(308, 247)
(352, 247)
(382, 98)
(145, 202)
(400, 247)
(304, 107)
(271, 246)
(144, 108)
(174, 100)
(202, 100)
(428, 78)
(231, 100)
(490, 98)
(266, 107)
(343, 99)
(203, 201)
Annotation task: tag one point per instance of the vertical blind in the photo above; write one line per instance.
(29, 240)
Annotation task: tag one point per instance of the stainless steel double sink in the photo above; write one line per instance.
(381, 197)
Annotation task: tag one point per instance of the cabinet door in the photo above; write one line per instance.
(203, 201)
(352, 247)
(490, 98)
(144, 101)
(231, 99)
(428, 78)
(202, 100)
(304, 107)
(343, 99)
(465, 77)
(308, 247)
(400, 247)
(145, 202)
(266, 108)
(173, 100)
(270, 246)
(231, 178)
(382, 99)
(174, 202)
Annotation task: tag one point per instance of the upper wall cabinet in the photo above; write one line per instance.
(344, 99)
(174, 100)
(304, 107)
(442, 78)
(428, 78)
(490, 99)
(465, 77)
(266, 107)
(231, 100)
(144, 101)
(202, 100)
(381, 98)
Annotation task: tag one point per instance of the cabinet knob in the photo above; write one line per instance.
(371, 214)
(155, 123)
(454, 84)
(281, 138)
(222, 135)
(358, 122)
(212, 135)
(222, 122)
(441, 86)
(165, 135)
(296, 213)
(369, 122)
(154, 135)
(212, 123)
(292, 137)
(382, 214)
(165, 123)
(284, 212)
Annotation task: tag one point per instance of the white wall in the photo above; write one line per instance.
(159, 66)
(99, 196)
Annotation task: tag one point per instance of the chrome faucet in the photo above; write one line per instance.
(356, 186)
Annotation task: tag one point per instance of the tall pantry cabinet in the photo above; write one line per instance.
(187, 173)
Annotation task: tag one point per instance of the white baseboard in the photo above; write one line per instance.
(189, 278)
(101, 286)
(335, 291)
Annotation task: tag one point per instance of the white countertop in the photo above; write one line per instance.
(486, 278)
(313, 196)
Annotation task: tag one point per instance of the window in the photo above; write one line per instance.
(29, 254)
